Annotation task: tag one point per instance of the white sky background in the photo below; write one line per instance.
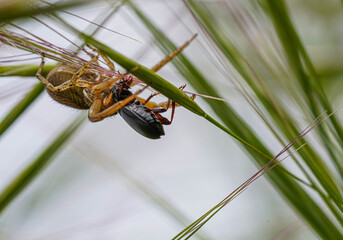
(82, 195)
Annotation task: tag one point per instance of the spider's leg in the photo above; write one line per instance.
(168, 58)
(98, 88)
(43, 79)
(75, 81)
(103, 56)
(95, 114)
(108, 84)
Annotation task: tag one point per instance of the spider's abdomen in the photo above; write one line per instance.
(72, 97)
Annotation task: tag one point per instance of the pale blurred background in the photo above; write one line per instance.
(103, 183)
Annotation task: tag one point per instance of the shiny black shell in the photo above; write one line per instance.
(142, 120)
(139, 117)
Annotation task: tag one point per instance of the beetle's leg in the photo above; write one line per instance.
(150, 97)
(158, 108)
(166, 104)
(162, 119)
(95, 114)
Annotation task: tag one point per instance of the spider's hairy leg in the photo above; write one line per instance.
(108, 84)
(95, 114)
(81, 71)
(157, 67)
(43, 79)
(103, 56)
(75, 81)
(96, 89)
(168, 58)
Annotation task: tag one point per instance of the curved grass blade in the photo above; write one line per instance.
(149, 77)
(13, 9)
(33, 170)
(173, 93)
(312, 89)
(20, 108)
(301, 63)
(309, 209)
(291, 190)
(25, 70)
(164, 87)
(190, 73)
(308, 154)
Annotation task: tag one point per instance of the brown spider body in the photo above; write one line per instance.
(74, 96)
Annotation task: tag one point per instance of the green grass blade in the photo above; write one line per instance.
(285, 123)
(20, 107)
(33, 170)
(313, 214)
(227, 115)
(167, 89)
(25, 70)
(149, 77)
(294, 51)
(13, 9)
(161, 85)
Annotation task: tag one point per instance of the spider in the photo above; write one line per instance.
(81, 88)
